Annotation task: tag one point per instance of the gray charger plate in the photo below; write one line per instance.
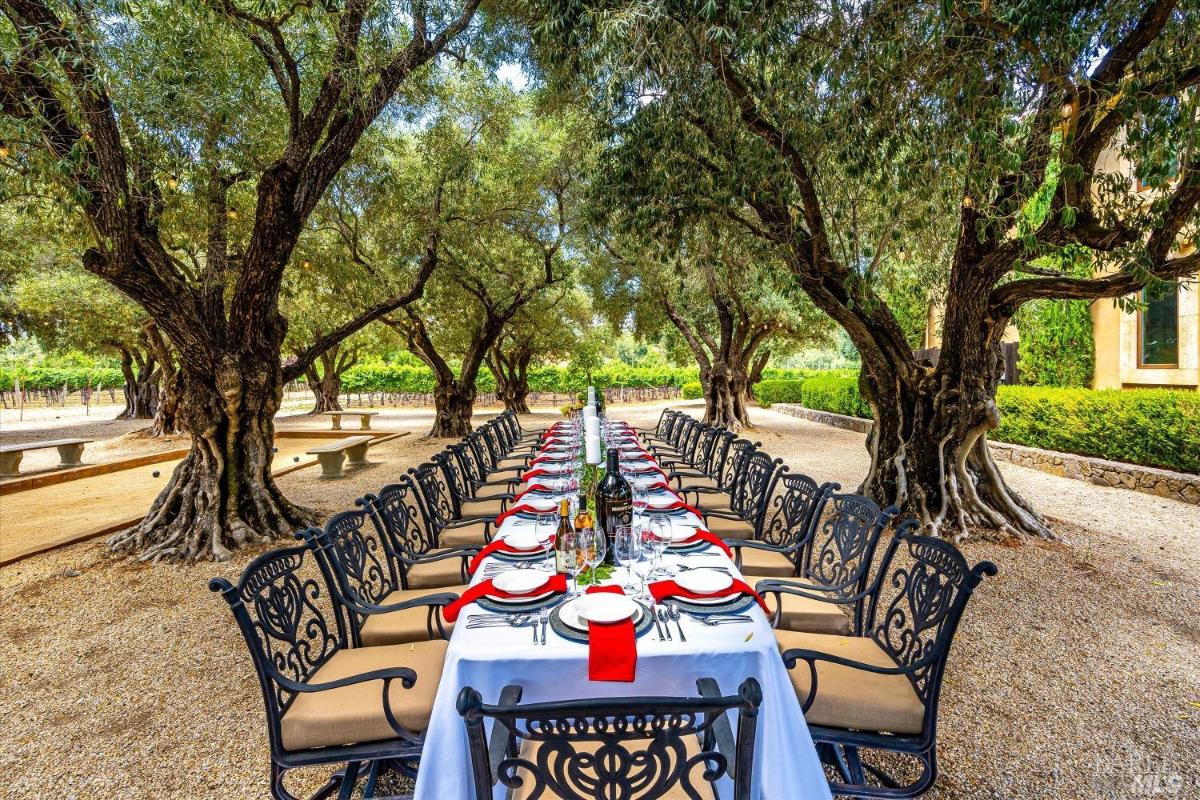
(488, 604)
(564, 630)
(735, 606)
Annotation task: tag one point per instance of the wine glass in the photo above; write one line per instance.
(545, 527)
(626, 548)
(640, 498)
(594, 545)
(643, 562)
(569, 545)
(659, 539)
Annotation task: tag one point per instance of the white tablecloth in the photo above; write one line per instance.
(786, 765)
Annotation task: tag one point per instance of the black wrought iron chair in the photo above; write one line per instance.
(792, 514)
(720, 497)
(682, 435)
(661, 430)
(378, 610)
(439, 514)
(422, 560)
(880, 690)
(706, 478)
(748, 498)
(648, 747)
(326, 702)
(829, 592)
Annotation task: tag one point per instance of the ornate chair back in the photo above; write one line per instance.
(792, 512)
(839, 553)
(619, 747)
(434, 498)
(288, 622)
(360, 559)
(455, 481)
(917, 600)
(754, 486)
(731, 469)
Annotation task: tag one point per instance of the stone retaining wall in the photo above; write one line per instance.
(1150, 480)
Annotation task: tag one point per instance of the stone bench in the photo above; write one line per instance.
(70, 451)
(363, 416)
(351, 450)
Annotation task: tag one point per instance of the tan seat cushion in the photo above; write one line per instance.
(712, 501)
(805, 614)
(487, 507)
(489, 491)
(466, 535)
(530, 750)
(767, 563)
(406, 625)
(730, 528)
(700, 482)
(352, 714)
(436, 574)
(849, 697)
(509, 462)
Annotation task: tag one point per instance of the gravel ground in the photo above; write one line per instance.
(1075, 674)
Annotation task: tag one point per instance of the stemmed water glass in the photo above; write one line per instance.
(659, 539)
(643, 562)
(626, 548)
(640, 499)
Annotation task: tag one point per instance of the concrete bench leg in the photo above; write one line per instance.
(10, 464)
(331, 464)
(366, 422)
(357, 455)
(337, 422)
(70, 455)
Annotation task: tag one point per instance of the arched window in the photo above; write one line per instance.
(1158, 330)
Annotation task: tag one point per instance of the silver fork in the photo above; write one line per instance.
(545, 618)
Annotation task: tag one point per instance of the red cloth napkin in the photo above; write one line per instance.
(661, 485)
(526, 507)
(670, 507)
(554, 583)
(702, 535)
(612, 646)
(533, 473)
(661, 590)
(537, 488)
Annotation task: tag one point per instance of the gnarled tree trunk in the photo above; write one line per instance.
(166, 415)
(511, 372)
(326, 391)
(454, 403)
(222, 495)
(141, 385)
(725, 396)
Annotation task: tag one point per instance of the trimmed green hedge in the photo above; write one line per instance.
(832, 393)
(692, 390)
(1153, 427)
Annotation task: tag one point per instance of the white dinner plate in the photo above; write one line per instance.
(524, 540)
(603, 608)
(704, 581)
(520, 581)
(682, 534)
(659, 502)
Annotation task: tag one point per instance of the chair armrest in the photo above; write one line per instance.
(406, 676)
(434, 600)
(462, 551)
(811, 657)
(724, 515)
(463, 522)
(720, 733)
(737, 544)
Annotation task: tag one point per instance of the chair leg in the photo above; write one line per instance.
(854, 762)
(372, 778)
(278, 792)
(349, 779)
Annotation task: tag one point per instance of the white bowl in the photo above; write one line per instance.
(605, 607)
(523, 539)
(704, 581)
(520, 581)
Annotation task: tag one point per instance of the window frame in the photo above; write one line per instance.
(1141, 352)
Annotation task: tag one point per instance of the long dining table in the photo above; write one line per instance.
(489, 658)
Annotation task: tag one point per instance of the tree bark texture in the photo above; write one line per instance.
(166, 414)
(511, 371)
(141, 384)
(326, 383)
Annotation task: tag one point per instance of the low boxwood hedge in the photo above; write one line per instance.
(1152, 427)
(692, 390)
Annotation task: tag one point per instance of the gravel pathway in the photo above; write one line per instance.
(1075, 674)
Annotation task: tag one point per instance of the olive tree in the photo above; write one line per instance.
(840, 133)
(242, 114)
